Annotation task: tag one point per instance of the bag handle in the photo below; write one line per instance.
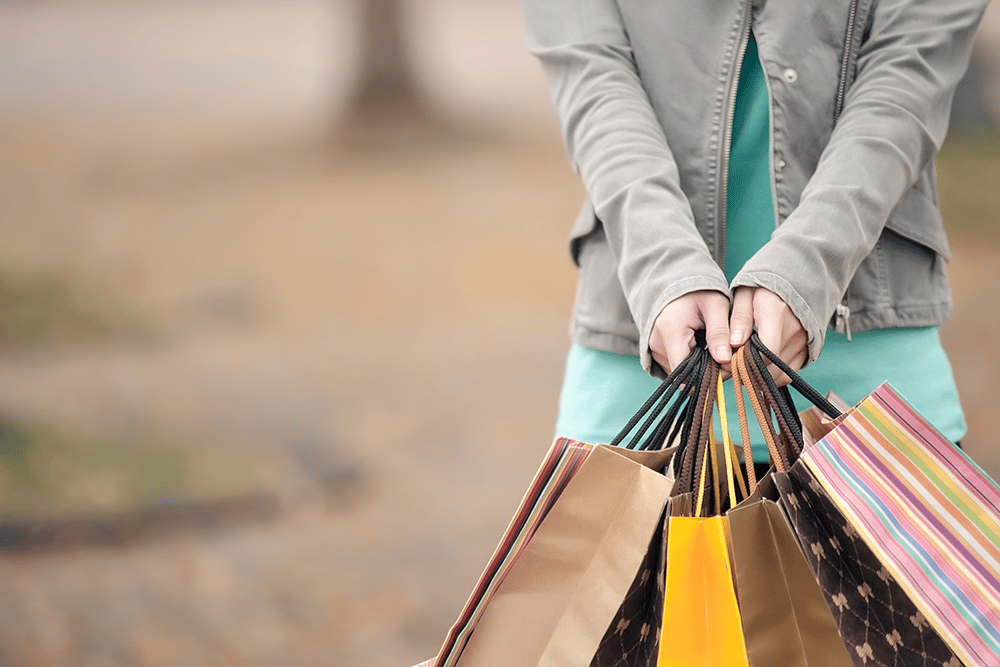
(658, 406)
(710, 458)
(732, 468)
(742, 377)
(780, 403)
(766, 398)
(798, 383)
(702, 471)
(691, 454)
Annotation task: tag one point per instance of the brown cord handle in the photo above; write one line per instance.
(757, 373)
(744, 376)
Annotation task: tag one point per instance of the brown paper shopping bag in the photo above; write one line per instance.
(785, 617)
(555, 605)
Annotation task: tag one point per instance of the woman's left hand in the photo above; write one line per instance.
(777, 326)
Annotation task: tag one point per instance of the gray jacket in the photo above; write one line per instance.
(860, 95)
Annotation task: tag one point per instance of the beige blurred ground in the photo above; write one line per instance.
(399, 320)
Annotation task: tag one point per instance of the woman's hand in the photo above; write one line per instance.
(672, 338)
(777, 326)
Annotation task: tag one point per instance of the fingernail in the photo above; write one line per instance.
(722, 352)
(736, 337)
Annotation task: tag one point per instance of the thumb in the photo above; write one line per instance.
(741, 320)
(716, 317)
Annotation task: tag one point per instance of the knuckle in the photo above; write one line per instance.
(718, 331)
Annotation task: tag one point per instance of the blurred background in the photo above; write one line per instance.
(284, 293)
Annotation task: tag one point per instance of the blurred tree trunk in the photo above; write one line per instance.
(387, 81)
(388, 111)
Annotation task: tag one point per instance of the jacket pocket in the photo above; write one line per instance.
(918, 219)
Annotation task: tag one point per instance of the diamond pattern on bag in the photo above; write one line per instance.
(877, 621)
(633, 637)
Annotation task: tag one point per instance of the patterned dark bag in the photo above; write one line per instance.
(877, 621)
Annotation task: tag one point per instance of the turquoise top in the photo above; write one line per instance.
(911, 359)
(749, 211)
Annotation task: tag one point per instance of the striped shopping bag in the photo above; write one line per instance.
(926, 510)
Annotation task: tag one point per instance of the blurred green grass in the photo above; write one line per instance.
(48, 473)
(43, 311)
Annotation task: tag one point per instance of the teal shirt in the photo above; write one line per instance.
(601, 390)
(749, 211)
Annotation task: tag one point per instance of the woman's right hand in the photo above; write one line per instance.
(672, 337)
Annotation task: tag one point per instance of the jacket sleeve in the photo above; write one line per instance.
(894, 120)
(617, 146)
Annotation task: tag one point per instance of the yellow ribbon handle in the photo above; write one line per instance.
(727, 443)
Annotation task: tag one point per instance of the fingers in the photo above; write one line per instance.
(672, 337)
(673, 334)
(716, 318)
(671, 340)
(780, 331)
(679, 346)
(792, 353)
(769, 322)
(741, 320)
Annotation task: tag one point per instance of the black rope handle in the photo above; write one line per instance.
(779, 401)
(798, 383)
(668, 424)
(657, 399)
(690, 452)
(689, 416)
(661, 435)
(656, 406)
(660, 413)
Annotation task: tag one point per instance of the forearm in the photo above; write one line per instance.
(617, 146)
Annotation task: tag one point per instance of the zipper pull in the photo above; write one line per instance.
(842, 322)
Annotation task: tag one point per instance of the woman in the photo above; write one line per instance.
(763, 164)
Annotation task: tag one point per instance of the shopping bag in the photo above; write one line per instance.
(925, 509)
(878, 620)
(554, 606)
(701, 620)
(561, 462)
(572, 555)
(785, 618)
(633, 637)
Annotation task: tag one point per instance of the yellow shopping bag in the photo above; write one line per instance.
(701, 620)
(701, 617)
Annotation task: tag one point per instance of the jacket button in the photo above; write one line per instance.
(791, 76)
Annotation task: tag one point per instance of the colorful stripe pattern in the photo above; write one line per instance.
(927, 510)
(563, 460)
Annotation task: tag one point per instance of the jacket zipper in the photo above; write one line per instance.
(720, 237)
(842, 320)
(845, 62)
